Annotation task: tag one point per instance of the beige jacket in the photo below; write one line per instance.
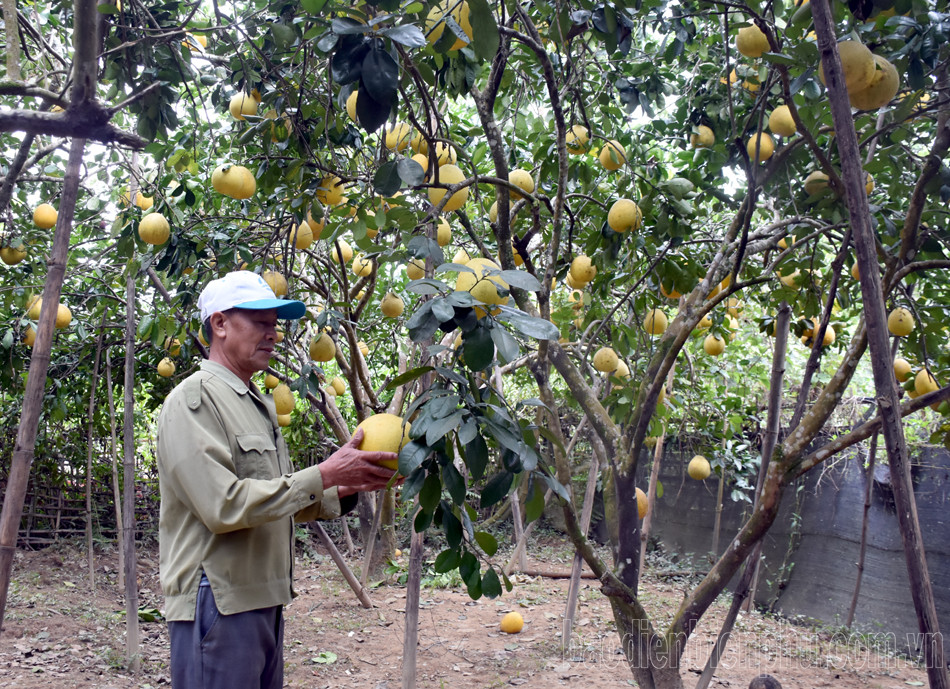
(229, 496)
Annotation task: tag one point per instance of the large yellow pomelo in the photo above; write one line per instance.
(925, 382)
(322, 348)
(512, 623)
(341, 252)
(655, 322)
(45, 216)
(331, 190)
(714, 345)
(612, 155)
(435, 24)
(521, 179)
(902, 369)
(751, 42)
(235, 181)
(703, 137)
(276, 281)
(882, 88)
(577, 139)
(449, 174)
(283, 398)
(63, 316)
(624, 215)
(582, 269)
(698, 468)
(397, 137)
(12, 255)
(301, 236)
(765, 144)
(242, 104)
(392, 305)
(384, 433)
(483, 284)
(858, 65)
(606, 360)
(642, 503)
(166, 368)
(154, 229)
(781, 122)
(900, 322)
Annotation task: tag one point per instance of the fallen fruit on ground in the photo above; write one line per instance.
(384, 433)
(512, 623)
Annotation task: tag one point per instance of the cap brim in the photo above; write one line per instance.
(286, 308)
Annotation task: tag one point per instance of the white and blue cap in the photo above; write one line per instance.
(243, 289)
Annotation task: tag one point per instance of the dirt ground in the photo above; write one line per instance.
(58, 634)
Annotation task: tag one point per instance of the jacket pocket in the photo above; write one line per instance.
(257, 457)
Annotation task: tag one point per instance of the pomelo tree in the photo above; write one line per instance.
(326, 144)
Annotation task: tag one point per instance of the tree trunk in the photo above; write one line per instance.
(863, 549)
(128, 489)
(90, 553)
(116, 492)
(884, 381)
(410, 637)
(23, 452)
(11, 26)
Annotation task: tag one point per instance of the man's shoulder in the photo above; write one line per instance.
(188, 392)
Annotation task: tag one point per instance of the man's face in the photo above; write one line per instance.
(244, 339)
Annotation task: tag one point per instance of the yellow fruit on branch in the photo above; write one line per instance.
(606, 360)
(880, 90)
(642, 503)
(12, 255)
(443, 233)
(765, 145)
(284, 402)
(521, 179)
(63, 316)
(624, 215)
(449, 174)
(925, 382)
(271, 381)
(416, 269)
(384, 433)
(858, 65)
(751, 41)
(322, 348)
(583, 270)
(154, 229)
(283, 420)
(397, 137)
(331, 190)
(45, 216)
(351, 105)
(902, 369)
(612, 155)
(815, 183)
(483, 283)
(33, 307)
(698, 468)
(655, 322)
(512, 623)
(363, 347)
(172, 346)
(301, 236)
(29, 336)
(703, 137)
(435, 23)
(392, 305)
(341, 252)
(338, 385)
(362, 266)
(276, 281)
(166, 368)
(781, 122)
(900, 322)
(235, 181)
(445, 154)
(577, 139)
(242, 104)
(714, 345)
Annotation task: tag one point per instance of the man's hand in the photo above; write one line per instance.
(353, 471)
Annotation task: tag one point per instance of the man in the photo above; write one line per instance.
(230, 497)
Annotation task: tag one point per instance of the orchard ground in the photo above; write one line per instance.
(57, 634)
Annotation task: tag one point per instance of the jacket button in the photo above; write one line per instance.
(313, 497)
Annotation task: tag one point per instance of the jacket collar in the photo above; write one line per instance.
(225, 374)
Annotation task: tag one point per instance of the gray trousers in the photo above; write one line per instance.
(242, 651)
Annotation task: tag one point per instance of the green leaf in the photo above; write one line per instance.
(554, 485)
(454, 483)
(779, 59)
(313, 7)
(440, 427)
(530, 326)
(447, 560)
(478, 350)
(452, 527)
(534, 505)
(485, 38)
(387, 181)
(380, 75)
(507, 346)
(410, 457)
(408, 377)
(522, 279)
(468, 569)
(476, 456)
(491, 586)
(410, 172)
(497, 488)
(408, 35)
(431, 493)
(486, 542)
